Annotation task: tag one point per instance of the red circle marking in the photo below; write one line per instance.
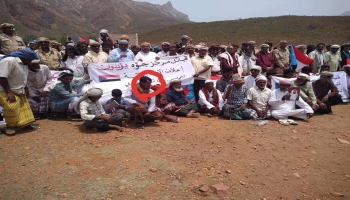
(145, 97)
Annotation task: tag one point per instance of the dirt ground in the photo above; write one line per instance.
(63, 160)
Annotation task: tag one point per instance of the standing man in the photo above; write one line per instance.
(122, 53)
(13, 81)
(95, 55)
(48, 56)
(281, 55)
(229, 59)
(33, 45)
(165, 49)
(146, 55)
(251, 46)
(202, 63)
(9, 42)
(104, 37)
(247, 61)
(319, 58)
(334, 58)
(265, 59)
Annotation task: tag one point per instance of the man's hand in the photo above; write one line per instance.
(124, 56)
(120, 106)
(323, 106)
(269, 68)
(44, 93)
(243, 106)
(196, 75)
(314, 107)
(286, 97)
(157, 58)
(11, 97)
(325, 99)
(140, 60)
(260, 113)
(308, 101)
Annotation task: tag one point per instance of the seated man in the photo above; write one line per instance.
(282, 107)
(236, 104)
(250, 79)
(210, 99)
(116, 104)
(62, 98)
(306, 90)
(321, 88)
(143, 111)
(258, 97)
(183, 107)
(163, 106)
(224, 80)
(288, 73)
(91, 111)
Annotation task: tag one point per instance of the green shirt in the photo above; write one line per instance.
(333, 60)
(306, 91)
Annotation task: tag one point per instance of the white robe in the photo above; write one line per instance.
(203, 101)
(146, 57)
(281, 109)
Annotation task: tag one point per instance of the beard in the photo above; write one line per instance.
(178, 89)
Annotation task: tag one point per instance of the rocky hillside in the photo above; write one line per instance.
(57, 18)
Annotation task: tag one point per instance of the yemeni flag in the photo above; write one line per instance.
(298, 58)
(80, 39)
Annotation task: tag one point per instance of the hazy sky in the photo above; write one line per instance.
(218, 10)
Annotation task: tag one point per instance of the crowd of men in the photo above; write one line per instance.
(242, 91)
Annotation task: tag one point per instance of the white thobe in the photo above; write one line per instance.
(281, 109)
(207, 103)
(249, 81)
(146, 57)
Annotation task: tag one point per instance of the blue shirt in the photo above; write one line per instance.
(115, 55)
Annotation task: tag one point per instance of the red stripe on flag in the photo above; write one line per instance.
(301, 57)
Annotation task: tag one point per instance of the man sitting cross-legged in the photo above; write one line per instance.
(183, 107)
(93, 114)
(282, 107)
(143, 111)
(306, 90)
(210, 99)
(258, 97)
(236, 105)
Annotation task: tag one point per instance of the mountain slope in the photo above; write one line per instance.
(57, 18)
(296, 29)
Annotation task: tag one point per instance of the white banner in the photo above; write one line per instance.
(109, 76)
(339, 79)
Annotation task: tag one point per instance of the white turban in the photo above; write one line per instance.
(265, 45)
(209, 81)
(260, 78)
(104, 31)
(256, 67)
(302, 75)
(92, 92)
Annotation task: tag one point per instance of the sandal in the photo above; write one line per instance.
(283, 122)
(9, 131)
